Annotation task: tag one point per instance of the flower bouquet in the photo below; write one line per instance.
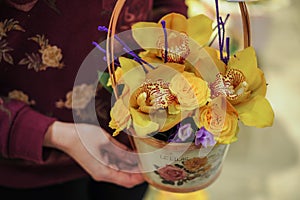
(180, 100)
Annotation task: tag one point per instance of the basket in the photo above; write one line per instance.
(173, 167)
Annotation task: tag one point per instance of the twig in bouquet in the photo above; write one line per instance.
(221, 35)
(104, 52)
(163, 23)
(98, 47)
(216, 35)
(219, 29)
(221, 23)
(225, 21)
(128, 50)
(227, 49)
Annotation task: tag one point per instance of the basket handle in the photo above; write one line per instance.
(246, 24)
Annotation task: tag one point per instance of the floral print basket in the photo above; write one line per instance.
(179, 167)
(180, 100)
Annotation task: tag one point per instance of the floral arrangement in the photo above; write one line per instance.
(180, 95)
(179, 89)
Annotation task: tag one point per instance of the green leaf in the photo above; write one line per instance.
(103, 79)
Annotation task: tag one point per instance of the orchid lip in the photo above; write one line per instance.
(232, 85)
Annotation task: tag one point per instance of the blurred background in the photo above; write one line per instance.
(264, 164)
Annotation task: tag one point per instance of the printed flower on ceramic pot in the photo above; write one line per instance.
(219, 118)
(171, 173)
(195, 164)
(169, 38)
(244, 85)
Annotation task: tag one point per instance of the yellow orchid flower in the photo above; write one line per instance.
(119, 74)
(148, 97)
(154, 108)
(120, 117)
(244, 85)
(178, 32)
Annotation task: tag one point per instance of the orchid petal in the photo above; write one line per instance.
(165, 72)
(133, 73)
(142, 123)
(146, 34)
(256, 112)
(213, 53)
(261, 87)
(246, 62)
(200, 28)
(170, 121)
(176, 22)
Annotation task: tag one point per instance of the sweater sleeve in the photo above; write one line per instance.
(22, 131)
(160, 8)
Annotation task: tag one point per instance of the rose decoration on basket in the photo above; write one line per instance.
(179, 90)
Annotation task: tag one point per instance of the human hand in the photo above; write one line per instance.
(104, 158)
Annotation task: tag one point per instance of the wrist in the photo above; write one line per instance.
(60, 135)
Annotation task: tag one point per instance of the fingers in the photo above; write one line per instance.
(118, 158)
(104, 158)
(124, 179)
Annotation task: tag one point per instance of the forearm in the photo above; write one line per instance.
(22, 131)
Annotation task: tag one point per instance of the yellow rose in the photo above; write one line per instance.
(51, 56)
(223, 126)
(120, 117)
(192, 92)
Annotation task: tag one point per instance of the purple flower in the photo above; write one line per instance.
(183, 133)
(204, 137)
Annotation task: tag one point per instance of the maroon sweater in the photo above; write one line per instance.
(41, 50)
